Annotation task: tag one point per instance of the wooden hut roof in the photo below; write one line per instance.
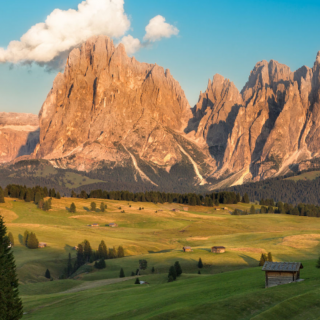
(187, 247)
(219, 247)
(282, 266)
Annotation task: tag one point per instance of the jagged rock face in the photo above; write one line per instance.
(19, 135)
(276, 124)
(110, 108)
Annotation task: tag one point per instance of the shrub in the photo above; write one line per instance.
(47, 274)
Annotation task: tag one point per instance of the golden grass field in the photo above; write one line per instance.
(156, 234)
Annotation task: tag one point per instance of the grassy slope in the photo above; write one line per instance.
(159, 237)
(233, 295)
(311, 175)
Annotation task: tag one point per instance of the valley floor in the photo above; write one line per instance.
(230, 285)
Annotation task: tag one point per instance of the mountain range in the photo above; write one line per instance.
(113, 118)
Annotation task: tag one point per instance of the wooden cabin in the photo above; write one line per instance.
(187, 249)
(185, 208)
(94, 225)
(218, 249)
(113, 225)
(278, 273)
(42, 245)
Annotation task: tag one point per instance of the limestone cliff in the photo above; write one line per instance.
(268, 129)
(19, 134)
(107, 109)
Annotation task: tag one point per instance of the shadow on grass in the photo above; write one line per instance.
(68, 247)
(20, 237)
(249, 260)
(162, 251)
(68, 209)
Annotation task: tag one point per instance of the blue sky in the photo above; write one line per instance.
(225, 37)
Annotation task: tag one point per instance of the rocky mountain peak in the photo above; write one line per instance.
(110, 108)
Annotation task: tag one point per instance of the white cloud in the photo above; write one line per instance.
(49, 43)
(131, 44)
(64, 30)
(158, 29)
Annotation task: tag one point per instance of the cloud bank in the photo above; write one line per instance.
(50, 42)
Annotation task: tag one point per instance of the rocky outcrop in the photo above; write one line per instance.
(107, 109)
(268, 129)
(19, 135)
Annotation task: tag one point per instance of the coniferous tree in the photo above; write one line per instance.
(318, 263)
(270, 259)
(10, 303)
(28, 196)
(200, 264)
(122, 273)
(80, 257)
(93, 206)
(87, 251)
(69, 266)
(11, 239)
(102, 250)
(25, 238)
(101, 264)
(5, 192)
(263, 209)
(120, 252)
(102, 207)
(270, 210)
(172, 273)
(33, 242)
(152, 270)
(199, 272)
(238, 197)
(252, 210)
(58, 195)
(40, 204)
(1, 196)
(47, 274)
(37, 198)
(73, 208)
(178, 268)
(245, 198)
(137, 281)
(263, 259)
(53, 193)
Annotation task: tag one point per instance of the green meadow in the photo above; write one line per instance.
(230, 286)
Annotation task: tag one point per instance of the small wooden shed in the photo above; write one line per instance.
(278, 273)
(94, 225)
(113, 225)
(42, 245)
(187, 249)
(218, 249)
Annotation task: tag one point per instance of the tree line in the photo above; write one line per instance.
(86, 254)
(215, 198)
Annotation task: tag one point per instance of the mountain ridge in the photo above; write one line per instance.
(110, 112)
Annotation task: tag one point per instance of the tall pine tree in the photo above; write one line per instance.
(102, 250)
(10, 303)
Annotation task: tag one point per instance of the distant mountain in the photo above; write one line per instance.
(268, 129)
(122, 121)
(19, 135)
